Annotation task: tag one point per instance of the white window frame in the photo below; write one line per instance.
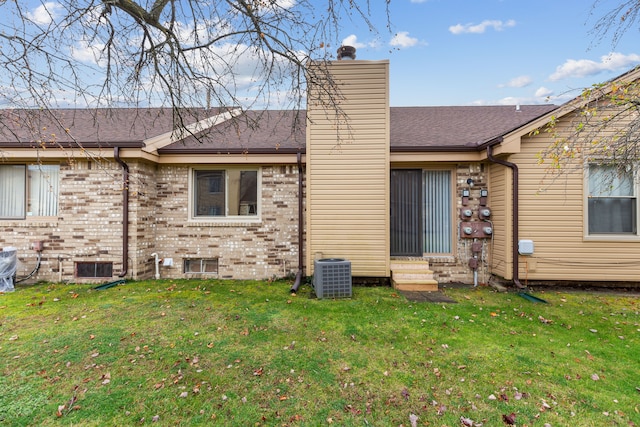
(41, 191)
(226, 218)
(189, 264)
(588, 234)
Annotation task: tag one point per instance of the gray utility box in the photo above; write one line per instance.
(332, 278)
(8, 267)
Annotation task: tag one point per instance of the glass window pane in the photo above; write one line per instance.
(12, 191)
(437, 211)
(43, 190)
(225, 193)
(612, 215)
(248, 191)
(606, 180)
(209, 193)
(612, 203)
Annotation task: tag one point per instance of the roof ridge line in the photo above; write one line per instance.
(151, 145)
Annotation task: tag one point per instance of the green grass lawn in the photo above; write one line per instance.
(251, 354)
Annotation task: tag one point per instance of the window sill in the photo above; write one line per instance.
(612, 238)
(30, 221)
(224, 222)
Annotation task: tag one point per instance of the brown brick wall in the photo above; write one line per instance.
(455, 268)
(245, 249)
(89, 226)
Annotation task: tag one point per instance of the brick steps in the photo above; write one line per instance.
(412, 275)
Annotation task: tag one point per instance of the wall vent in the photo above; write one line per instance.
(332, 278)
(92, 270)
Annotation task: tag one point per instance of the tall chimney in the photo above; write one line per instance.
(346, 52)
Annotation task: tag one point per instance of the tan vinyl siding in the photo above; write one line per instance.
(552, 214)
(348, 172)
(500, 201)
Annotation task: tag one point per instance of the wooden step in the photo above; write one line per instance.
(412, 275)
(398, 264)
(415, 285)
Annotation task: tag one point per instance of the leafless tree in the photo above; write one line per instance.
(617, 20)
(605, 129)
(170, 53)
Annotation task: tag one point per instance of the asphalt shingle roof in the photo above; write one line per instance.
(271, 131)
(122, 127)
(457, 127)
(251, 132)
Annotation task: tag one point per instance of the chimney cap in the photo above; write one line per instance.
(346, 52)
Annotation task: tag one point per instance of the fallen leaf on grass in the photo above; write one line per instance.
(413, 419)
(595, 377)
(106, 378)
(468, 422)
(405, 393)
(60, 409)
(509, 419)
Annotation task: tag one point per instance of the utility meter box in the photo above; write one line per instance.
(525, 247)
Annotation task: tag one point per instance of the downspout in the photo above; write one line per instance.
(125, 211)
(514, 213)
(298, 281)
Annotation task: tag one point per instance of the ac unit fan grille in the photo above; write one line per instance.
(332, 278)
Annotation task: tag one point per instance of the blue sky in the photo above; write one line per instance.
(487, 52)
(441, 52)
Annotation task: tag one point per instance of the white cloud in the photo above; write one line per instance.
(45, 13)
(481, 27)
(402, 40)
(520, 81)
(352, 40)
(542, 95)
(573, 68)
(543, 92)
(88, 53)
(286, 4)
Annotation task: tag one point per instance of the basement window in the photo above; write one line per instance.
(201, 266)
(94, 269)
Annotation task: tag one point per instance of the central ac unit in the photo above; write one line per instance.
(332, 278)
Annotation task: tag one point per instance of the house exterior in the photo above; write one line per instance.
(97, 195)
